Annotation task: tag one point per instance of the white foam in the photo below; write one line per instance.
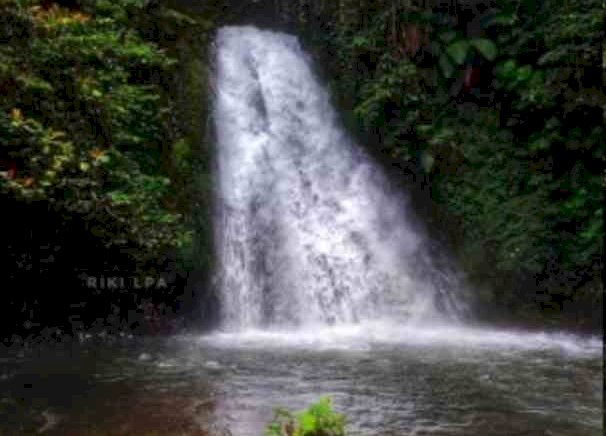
(366, 335)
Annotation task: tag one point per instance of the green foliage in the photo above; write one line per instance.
(485, 47)
(317, 420)
(50, 155)
(453, 54)
(485, 189)
(391, 77)
(84, 116)
(518, 175)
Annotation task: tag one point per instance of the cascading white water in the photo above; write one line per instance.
(308, 229)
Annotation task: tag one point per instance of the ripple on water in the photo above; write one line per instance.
(399, 381)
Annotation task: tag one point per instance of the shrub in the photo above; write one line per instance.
(317, 420)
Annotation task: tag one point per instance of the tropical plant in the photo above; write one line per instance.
(319, 419)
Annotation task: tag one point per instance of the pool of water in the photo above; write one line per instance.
(386, 380)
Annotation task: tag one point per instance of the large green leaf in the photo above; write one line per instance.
(486, 47)
(458, 51)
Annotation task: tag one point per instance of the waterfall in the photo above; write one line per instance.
(308, 229)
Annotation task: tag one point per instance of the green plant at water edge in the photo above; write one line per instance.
(319, 419)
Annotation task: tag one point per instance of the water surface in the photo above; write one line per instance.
(398, 381)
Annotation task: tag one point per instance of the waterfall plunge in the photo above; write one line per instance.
(309, 232)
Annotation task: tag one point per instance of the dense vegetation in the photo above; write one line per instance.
(96, 139)
(497, 106)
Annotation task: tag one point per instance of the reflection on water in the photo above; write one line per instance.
(387, 381)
